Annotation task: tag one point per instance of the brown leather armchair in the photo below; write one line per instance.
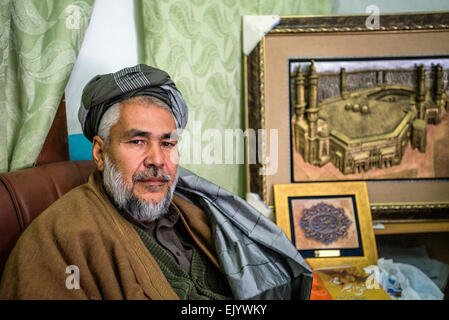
(24, 194)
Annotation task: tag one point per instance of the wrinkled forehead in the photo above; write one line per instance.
(146, 119)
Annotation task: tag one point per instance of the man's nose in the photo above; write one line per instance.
(154, 156)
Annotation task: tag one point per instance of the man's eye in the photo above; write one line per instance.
(136, 142)
(168, 144)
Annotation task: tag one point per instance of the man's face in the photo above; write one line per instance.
(143, 150)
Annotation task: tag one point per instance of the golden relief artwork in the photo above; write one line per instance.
(370, 120)
(350, 283)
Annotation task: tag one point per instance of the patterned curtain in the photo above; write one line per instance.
(39, 43)
(199, 43)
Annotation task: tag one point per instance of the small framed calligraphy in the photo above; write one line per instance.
(328, 222)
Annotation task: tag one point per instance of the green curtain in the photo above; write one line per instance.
(199, 43)
(39, 43)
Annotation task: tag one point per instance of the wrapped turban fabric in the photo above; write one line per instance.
(103, 91)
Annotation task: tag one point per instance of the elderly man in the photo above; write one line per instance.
(142, 227)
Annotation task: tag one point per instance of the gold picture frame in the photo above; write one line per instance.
(329, 222)
(267, 96)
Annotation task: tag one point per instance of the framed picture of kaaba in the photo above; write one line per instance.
(329, 222)
(376, 118)
(352, 103)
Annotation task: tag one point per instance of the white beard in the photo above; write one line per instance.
(125, 200)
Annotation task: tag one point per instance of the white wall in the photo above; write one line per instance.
(110, 44)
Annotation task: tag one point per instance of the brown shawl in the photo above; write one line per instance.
(84, 229)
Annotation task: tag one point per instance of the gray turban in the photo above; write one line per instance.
(105, 90)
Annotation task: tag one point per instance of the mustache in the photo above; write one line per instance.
(152, 172)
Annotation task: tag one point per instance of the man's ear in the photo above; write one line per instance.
(98, 152)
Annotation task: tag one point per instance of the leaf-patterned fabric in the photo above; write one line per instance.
(198, 43)
(39, 43)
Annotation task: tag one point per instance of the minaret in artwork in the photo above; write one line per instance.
(343, 87)
(300, 102)
(420, 94)
(439, 84)
(312, 113)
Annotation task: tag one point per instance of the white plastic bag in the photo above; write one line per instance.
(404, 281)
